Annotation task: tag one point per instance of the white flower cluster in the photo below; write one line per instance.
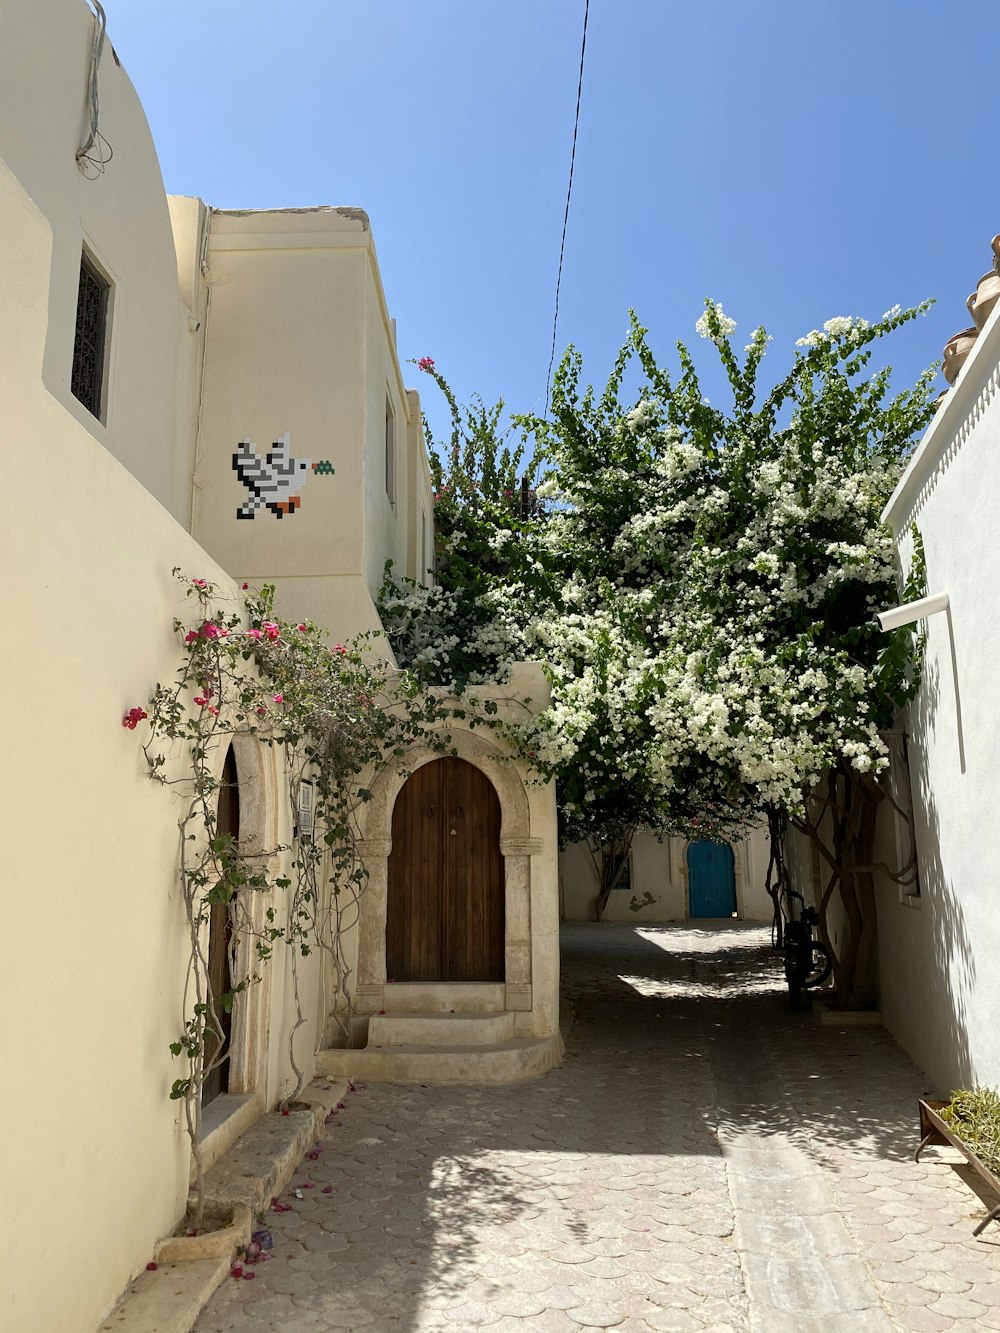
(839, 327)
(724, 325)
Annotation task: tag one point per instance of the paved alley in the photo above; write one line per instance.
(704, 1159)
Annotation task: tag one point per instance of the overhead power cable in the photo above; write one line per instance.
(569, 195)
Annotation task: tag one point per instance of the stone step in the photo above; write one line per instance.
(502, 1062)
(441, 997)
(435, 1029)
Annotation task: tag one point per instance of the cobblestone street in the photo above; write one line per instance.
(704, 1159)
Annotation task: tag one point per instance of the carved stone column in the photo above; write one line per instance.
(374, 853)
(517, 854)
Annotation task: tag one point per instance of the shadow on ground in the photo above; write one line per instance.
(437, 1193)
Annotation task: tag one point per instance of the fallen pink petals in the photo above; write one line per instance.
(151, 1267)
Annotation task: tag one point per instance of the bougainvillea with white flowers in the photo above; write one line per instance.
(700, 585)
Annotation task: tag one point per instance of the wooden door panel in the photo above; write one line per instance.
(444, 915)
(474, 877)
(414, 934)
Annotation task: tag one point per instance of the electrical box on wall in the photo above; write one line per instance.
(304, 809)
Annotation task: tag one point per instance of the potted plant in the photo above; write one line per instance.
(969, 1122)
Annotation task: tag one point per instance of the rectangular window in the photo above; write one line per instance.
(390, 451)
(89, 346)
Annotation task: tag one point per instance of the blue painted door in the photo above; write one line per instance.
(711, 879)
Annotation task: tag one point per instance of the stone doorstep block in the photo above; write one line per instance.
(504, 1062)
(427, 997)
(458, 1029)
(168, 1300)
(832, 1017)
(218, 1244)
(262, 1161)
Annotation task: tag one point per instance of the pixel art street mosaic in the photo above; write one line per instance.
(274, 482)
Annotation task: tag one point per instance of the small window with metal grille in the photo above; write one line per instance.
(87, 382)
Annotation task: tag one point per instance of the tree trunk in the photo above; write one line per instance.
(610, 861)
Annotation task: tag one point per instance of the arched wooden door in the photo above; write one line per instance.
(711, 879)
(445, 909)
(220, 938)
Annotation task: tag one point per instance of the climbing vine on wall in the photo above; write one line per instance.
(336, 714)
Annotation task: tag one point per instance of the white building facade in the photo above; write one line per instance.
(220, 393)
(939, 947)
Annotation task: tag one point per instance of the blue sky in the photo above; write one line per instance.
(792, 161)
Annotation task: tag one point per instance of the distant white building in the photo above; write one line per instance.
(673, 880)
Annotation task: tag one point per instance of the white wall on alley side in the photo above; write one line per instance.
(93, 990)
(120, 217)
(659, 882)
(940, 996)
(297, 342)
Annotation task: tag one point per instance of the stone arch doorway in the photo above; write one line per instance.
(249, 783)
(445, 895)
(711, 870)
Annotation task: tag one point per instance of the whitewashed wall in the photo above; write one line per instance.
(939, 952)
(121, 216)
(296, 339)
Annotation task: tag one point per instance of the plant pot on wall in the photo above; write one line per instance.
(984, 298)
(956, 352)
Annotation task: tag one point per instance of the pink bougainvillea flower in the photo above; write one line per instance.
(270, 629)
(339, 648)
(426, 363)
(192, 636)
(133, 717)
(303, 627)
(278, 698)
(327, 1189)
(200, 700)
(200, 583)
(254, 634)
(151, 1267)
(341, 1105)
(308, 1185)
(262, 712)
(244, 586)
(213, 711)
(236, 1270)
(247, 1276)
(213, 631)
